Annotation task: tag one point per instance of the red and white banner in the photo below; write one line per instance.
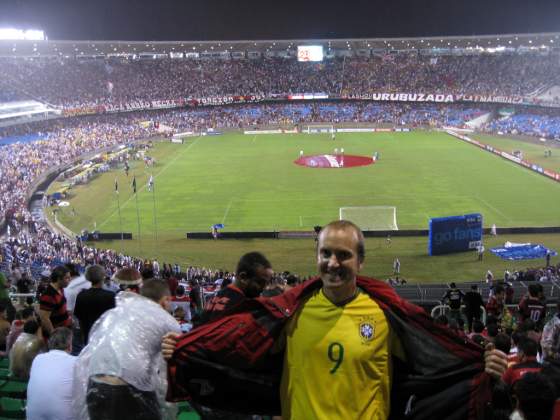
(143, 105)
(225, 100)
(490, 99)
(240, 99)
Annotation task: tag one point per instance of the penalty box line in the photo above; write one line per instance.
(227, 211)
(494, 209)
(301, 219)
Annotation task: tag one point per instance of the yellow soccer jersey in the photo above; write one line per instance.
(338, 361)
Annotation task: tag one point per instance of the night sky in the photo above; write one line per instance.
(265, 19)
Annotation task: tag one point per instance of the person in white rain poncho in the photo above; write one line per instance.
(121, 374)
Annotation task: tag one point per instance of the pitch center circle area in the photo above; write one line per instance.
(334, 161)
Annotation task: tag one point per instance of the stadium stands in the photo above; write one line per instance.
(74, 82)
(530, 124)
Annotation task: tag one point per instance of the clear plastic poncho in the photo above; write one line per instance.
(125, 342)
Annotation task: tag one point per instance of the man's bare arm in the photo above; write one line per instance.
(46, 323)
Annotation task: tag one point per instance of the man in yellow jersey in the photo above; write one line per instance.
(338, 344)
(353, 349)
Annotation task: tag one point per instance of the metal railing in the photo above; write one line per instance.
(443, 309)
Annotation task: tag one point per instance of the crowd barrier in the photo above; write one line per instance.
(107, 236)
(233, 235)
(368, 234)
(445, 309)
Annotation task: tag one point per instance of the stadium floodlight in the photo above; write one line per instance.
(20, 34)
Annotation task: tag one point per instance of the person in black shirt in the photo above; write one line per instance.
(453, 297)
(196, 296)
(253, 273)
(93, 302)
(24, 284)
(473, 302)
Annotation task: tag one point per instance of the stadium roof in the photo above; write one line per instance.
(545, 41)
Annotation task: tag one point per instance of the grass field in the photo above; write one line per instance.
(533, 152)
(250, 183)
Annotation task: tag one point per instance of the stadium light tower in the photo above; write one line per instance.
(22, 34)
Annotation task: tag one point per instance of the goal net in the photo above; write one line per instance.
(371, 217)
(319, 129)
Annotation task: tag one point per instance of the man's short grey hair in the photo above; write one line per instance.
(95, 274)
(60, 339)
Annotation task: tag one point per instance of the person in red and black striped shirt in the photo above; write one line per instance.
(527, 354)
(52, 309)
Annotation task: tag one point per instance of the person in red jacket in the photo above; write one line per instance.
(527, 356)
(495, 305)
(337, 346)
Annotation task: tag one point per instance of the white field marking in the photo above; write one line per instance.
(143, 187)
(302, 218)
(384, 198)
(227, 211)
(491, 207)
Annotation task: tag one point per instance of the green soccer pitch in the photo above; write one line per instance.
(250, 183)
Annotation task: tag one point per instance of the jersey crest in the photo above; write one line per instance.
(367, 329)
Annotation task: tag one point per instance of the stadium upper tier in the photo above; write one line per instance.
(80, 82)
(276, 48)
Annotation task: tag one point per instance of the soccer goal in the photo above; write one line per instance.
(371, 217)
(319, 129)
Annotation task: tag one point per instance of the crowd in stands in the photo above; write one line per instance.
(21, 164)
(199, 119)
(529, 124)
(549, 273)
(526, 332)
(83, 83)
(37, 337)
(397, 114)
